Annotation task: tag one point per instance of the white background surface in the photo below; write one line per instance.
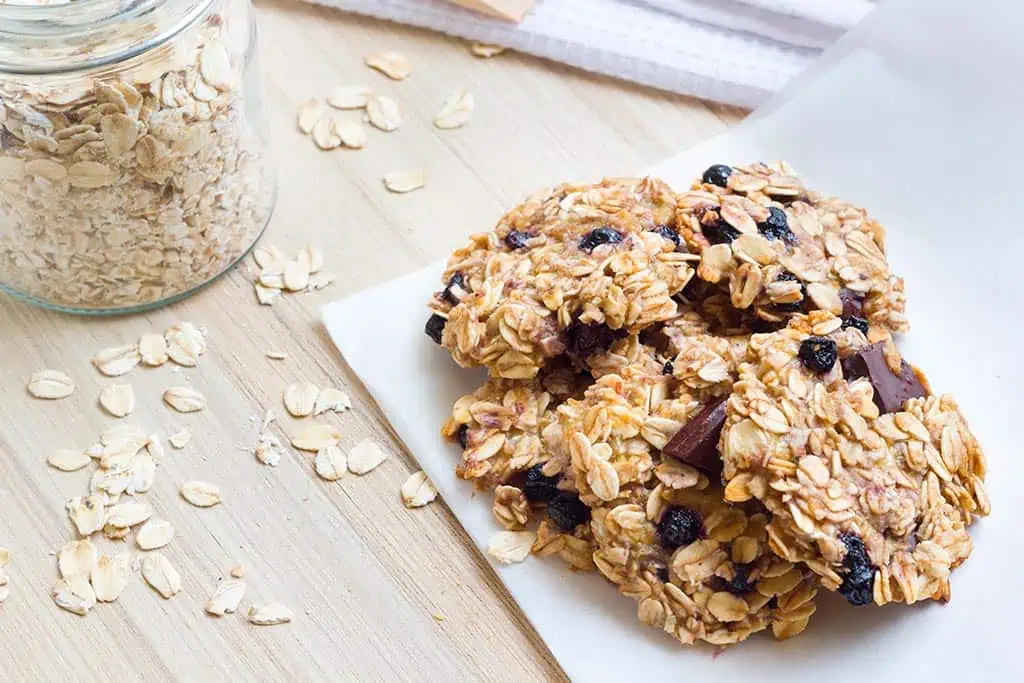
(929, 137)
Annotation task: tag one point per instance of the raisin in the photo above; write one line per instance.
(717, 175)
(740, 583)
(586, 339)
(599, 236)
(668, 368)
(679, 526)
(457, 280)
(516, 239)
(539, 488)
(857, 322)
(567, 511)
(720, 232)
(776, 227)
(669, 234)
(435, 327)
(858, 585)
(818, 354)
(462, 435)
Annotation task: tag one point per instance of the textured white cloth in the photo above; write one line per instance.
(732, 51)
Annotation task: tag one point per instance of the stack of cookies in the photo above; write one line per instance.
(698, 396)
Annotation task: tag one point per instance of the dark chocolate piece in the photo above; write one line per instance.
(891, 390)
(696, 443)
(853, 303)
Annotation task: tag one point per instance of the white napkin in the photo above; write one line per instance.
(930, 140)
(732, 51)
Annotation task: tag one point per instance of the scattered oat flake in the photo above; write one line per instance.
(455, 111)
(50, 385)
(365, 456)
(110, 576)
(201, 494)
(269, 258)
(320, 280)
(349, 97)
(184, 399)
(4, 593)
(129, 514)
(418, 490)
(67, 460)
(225, 598)
(153, 350)
(330, 463)
(268, 448)
(75, 594)
(118, 399)
(156, 533)
(315, 437)
(270, 614)
(510, 547)
(486, 50)
(300, 398)
(267, 295)
(126, 433)
(324, 134)
(155, 448)
(401, 182)
(180, 438)
(143, 473)
(296, 276)
(332, 399)
(277, 355)
(238, 571)
(76, 558)
(394, 65)
(86, 513)
(310, 112)
(351, 133)
(117, 360)
(5, 557)
(158, 573)
(185, 343)
(383, 113)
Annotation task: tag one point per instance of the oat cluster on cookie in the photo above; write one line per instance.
(698, 395)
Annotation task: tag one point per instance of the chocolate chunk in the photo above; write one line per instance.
(696, 443)
(584, 340)
(853, 303)
(891, 390)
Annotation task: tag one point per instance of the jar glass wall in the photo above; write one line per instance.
(133, 149)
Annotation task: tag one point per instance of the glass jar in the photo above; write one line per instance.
(133, 149)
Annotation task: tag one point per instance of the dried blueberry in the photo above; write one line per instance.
(669, 234)
(854, 321)
(455, 287)
(679, 526)
(567, 511)
(599, 236)
(776, 227)
(435, 327)
(720, 232)
(539, 488)
(717, 175)
(516, 239)
(740, 583)
(462, 435)
(818, 354)
(582, 339)
(858, 585)
(668, 368)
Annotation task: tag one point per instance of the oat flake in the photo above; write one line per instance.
(401, 182)
(486, 50)
(455, 111)
(180, 438)
(87, 513)
(351, 134)
(383, 113)
(332, 399)
(67, 460)
(365, 456)
(277, 355)
(226, 598)
(316, 437)
(270, 614)
(153, 350)
(76, 558)
(118, 399)
(50, 385)
(158, 573)
(201, 494)
(418, 490)
(511, 547)
(75, 595)
(238, 571)
(110, 576)
(185, 343)
(310, 112)
(330, 463)
(156, 533)
(394, 65)
(349, 97)
(300, 398)
(117, 360)
(125, 515)
(184, 399)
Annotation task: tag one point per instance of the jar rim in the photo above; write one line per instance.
(85, 34)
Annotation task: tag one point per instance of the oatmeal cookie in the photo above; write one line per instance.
(699, 568)
(871, 479)
(783, 249)
(570, 270)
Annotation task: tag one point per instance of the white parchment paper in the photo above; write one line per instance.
(917, 114)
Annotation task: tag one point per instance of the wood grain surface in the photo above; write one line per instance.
(380, 592)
